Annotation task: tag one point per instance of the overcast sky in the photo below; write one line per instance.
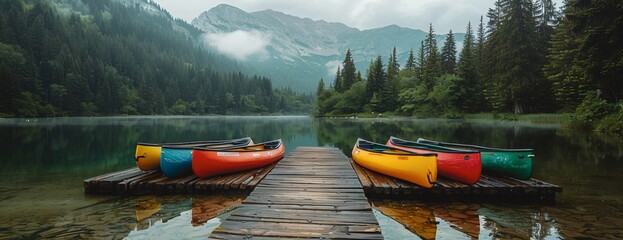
(362, 14)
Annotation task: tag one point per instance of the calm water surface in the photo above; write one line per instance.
(45, 161)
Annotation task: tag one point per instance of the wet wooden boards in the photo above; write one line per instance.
(378, 185)
(312, 193)
(136, 182)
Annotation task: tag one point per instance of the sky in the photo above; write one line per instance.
(445, 15)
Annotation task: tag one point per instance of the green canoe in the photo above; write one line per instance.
(515, 163)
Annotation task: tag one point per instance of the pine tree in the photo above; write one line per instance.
(337, 83)
(320, 88)
(448, 55)
(358, 79)
(421, 61)
(495, 16)
(389, 95)
(410, 64)
(583, 53)
(468, 97)
(480, 44)
(376, 78)
(393, 67)
(348, 74)
(479, 55)
(598, 24)
(389, 89)
(432, 64)
(512, 59)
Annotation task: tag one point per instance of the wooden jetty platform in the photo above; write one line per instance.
(311, 193)
(377, 185)
(133, 181)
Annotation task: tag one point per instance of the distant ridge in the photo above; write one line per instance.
(300, 51)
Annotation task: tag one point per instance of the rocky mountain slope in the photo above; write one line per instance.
(296, 51)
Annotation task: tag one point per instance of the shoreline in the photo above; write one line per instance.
(540, 118)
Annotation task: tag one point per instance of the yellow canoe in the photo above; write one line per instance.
(420, 169)
(147, 155)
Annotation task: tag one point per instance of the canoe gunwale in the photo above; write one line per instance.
(410, 153)
(397, 141)
(189, 143)
(233, 148)
(236, 143)
(475, 147)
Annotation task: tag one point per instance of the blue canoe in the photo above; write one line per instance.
(176, 161)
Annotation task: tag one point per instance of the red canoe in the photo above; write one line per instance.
(211, 162)
(461, 165)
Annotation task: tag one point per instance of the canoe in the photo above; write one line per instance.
(176, 160)
(147, 155)
(515, 163)
(212, 162)
(457, 164)
(147, 207)
(418, 168)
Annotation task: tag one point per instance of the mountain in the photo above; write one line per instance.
(130, 57)
(296, 51)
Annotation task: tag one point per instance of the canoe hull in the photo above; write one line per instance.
(418, 169)
(212, 162)
(147, 157)
(515, 163)
(464, 167)
(176, 162)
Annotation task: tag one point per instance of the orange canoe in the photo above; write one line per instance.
(211, 162)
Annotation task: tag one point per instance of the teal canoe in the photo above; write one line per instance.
(176, 160)
(515, 163)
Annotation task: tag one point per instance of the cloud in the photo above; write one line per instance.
(332, 67)
(239, 44)
(362, 14)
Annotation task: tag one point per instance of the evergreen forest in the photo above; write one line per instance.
(530, 57)
(100, 58)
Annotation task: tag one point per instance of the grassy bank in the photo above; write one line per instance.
(561, 118)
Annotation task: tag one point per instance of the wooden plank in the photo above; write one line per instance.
(126, 186)
(250, 183)
(364, 179)
(379, 185)
(299, 201)
(136, 182)
(104, 176)
(106, 184)
(488, 187)
(350, 206)
(296, 230)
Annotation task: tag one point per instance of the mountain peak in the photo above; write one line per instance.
(298, 51)
(226, 8)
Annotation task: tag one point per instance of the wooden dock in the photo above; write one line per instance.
(377, 185)
(133, 181)
(312, 193)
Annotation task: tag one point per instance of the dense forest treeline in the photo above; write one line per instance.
(529, 58)
(88, 57)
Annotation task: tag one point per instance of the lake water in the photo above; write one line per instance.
(45, 161)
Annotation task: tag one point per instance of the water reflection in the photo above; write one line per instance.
(577, 161)
(98, 145)
(141, 217)
(208, 207)
(429, 220)
(475, 221)
(206, 214)
(146, 207)
(420, 221)
(46, 160)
